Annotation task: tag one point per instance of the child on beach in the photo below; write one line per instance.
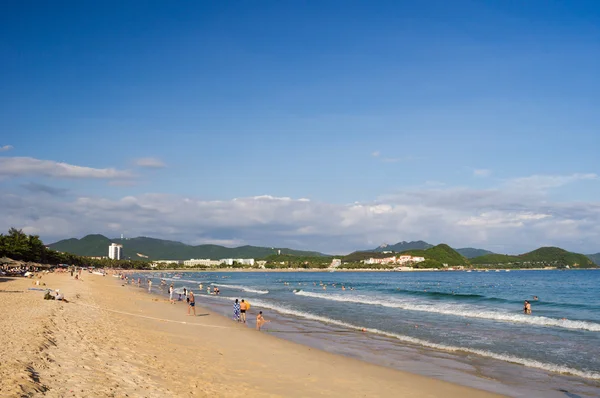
(191, 302)
(260, 320)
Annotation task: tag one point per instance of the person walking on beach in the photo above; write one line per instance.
(260, 320)
(171, 294)
(236, 310)
(191, 302)
(243, 309)
(149, 285)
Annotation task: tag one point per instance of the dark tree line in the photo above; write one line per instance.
(17, 245)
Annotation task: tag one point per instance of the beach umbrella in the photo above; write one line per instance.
(6, 260)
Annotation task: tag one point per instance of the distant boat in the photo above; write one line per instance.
(507, 270)
(469, 271)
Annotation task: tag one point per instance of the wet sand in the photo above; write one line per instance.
(116, 341)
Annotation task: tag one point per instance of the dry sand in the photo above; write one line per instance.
(115, 341)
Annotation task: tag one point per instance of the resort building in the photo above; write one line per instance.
(201, 262)
(241, 261)
(115, 251)
(402, 260)
(336, 262)
(166, 262)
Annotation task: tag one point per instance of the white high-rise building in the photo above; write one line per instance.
(115, 251)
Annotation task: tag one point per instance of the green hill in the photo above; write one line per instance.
(90, 245)
(470, 252)
(440, 254)
(158, 249)
(399, 247)
(403, 246)
(542, 257)
(595, 258)
(435, 256)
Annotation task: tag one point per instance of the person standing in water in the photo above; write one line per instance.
(149, 285)
(171, 290)
(527, 308)
(191, 302)
(236, 310)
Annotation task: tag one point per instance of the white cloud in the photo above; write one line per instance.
(26, 166)
(543, 182)
(375, 154)
(482, 172)
(503, 220)
(6, 148)
(151, 163)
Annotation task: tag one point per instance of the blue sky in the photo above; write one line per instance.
(397, 104)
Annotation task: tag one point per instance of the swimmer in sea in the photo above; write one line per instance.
(535, 298)
(527, 308)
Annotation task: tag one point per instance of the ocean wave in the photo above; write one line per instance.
(434, 293)
(481, 297)
(532, 363)
(181, 280)
(243, 288)
(457, 310)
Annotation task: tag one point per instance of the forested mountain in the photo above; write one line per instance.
(542, 257)
(403, 246)
(470, 252)
(158, 249)
(595, 258)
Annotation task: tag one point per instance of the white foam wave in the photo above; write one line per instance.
(181, 280)
(179, 290)
(531, 363)
(458, 310)
(243, 288)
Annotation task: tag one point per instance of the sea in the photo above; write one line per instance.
(464, 327)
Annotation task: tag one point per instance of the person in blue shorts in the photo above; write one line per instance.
(191, 302)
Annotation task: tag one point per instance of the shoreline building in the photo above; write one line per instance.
(240, 261)
(115, 251)
(203, 262)
(404, 259)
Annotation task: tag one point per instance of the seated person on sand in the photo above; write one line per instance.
(60, 296)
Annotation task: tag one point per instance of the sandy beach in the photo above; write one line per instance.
(116, 341)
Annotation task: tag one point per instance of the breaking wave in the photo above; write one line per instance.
(412, 340)
(458, 310)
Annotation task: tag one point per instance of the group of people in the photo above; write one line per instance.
(56, 295)
(240, 308)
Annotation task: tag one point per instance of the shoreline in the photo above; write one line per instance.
(510, 367)
(284, 270)
(109, 340)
